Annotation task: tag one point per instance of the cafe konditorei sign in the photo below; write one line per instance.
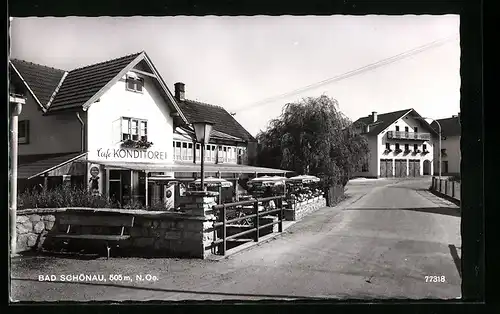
(130, 153)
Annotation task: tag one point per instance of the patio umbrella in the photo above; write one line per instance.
(211, 181)
(305, 178)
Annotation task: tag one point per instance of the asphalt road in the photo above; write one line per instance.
(380, 243)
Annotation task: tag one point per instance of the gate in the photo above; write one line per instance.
(386, 167)
(414, 168)
(400, 168)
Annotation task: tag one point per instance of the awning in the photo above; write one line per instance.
(52, 164)
(188, 167)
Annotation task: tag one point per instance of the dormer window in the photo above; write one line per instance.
(134, 83)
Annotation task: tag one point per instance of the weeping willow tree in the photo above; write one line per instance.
(313, 137)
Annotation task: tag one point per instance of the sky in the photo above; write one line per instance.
(237, 62)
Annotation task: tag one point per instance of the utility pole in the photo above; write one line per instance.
(16, 104)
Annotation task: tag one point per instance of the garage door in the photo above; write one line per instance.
(414, 168)
(386, 167)
(400, 168)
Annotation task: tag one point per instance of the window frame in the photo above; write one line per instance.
(130, 121)
(135, 79)
(26, 138)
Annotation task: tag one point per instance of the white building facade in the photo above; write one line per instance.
(401, 144)
(116, 127)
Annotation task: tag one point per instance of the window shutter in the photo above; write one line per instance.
(116, 131)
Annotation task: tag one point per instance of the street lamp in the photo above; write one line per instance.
(202, 130)
(16, 105)
(439, 128)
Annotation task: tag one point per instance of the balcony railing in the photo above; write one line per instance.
(408, 135)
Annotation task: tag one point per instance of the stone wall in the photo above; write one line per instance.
(170, 234)
(302, 209)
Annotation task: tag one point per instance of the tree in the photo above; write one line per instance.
(313, 137)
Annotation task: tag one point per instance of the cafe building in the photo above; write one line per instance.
(116, 127)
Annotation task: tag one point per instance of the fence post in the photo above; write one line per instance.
(224, 219)
(453, 189)
(281, 216)
(256, 212)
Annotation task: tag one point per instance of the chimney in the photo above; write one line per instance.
(374, 116)
(179, 91)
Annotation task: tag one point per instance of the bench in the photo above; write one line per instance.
(95, 221)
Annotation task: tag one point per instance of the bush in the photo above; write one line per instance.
(63, 196)
(455, 177)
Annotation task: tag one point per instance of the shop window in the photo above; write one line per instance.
(184, 152)
(134, 83)
(23, 132)
(134, 129)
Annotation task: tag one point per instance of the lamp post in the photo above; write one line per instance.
(202, 130)
(439, 128)
(16, 104)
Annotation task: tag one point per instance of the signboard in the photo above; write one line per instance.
(138, 155)
(95, 180)
(169, 196)
(131, 153)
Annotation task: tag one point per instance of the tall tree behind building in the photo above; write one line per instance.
(313, 137)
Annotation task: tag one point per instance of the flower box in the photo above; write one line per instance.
(140, 144)
(397, 151)
(425, 152)
(417, 151)
(387, 151)
(407, 151)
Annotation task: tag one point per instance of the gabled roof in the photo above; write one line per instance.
(384, 120)
(83, 83)
(449, 126)
(41, 80)
(225, 122)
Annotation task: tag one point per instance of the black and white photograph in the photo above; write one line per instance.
(188, 158)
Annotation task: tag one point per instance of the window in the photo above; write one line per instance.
(415, 129)
(407, 147)
(177, 151)
(424, 147)
(190, 152)
(443, 152)
(23, 132)
(198, 152)
(406, 129)
(184, 151)
(134, 129)
(397, 128)
(134, 83)
(415, 147)
(397, 146)
(388, 146)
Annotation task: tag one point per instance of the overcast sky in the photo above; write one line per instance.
(237, 62)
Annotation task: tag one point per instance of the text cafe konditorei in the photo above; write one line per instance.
(124, 154)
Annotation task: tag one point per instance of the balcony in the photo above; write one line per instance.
(399, 135)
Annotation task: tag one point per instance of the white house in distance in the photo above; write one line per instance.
(450, 145)
(116, 127)
(401, 144)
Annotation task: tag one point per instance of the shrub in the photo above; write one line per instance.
(63, 196)
(455, 177)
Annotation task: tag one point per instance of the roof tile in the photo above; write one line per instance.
(225, 122)
(384, 120)
(83, 83)
(41, 79)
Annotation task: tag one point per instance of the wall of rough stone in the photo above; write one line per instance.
(169, 234)
(302, 209)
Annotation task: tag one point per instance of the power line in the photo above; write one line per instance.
(363, 69)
